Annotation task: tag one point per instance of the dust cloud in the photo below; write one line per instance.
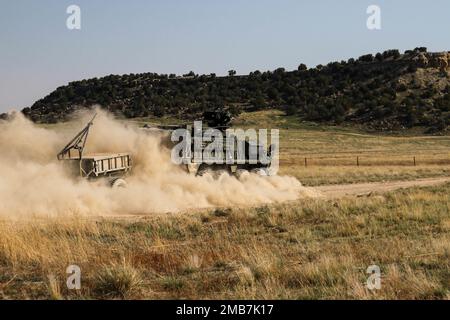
(34, 183)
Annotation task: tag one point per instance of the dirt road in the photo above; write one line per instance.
(332, 192)
(338, 191)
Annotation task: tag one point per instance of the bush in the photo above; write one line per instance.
(118, 280)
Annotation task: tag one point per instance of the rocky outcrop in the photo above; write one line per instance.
(440, 60)
(421, 60)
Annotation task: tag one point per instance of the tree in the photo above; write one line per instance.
(259, 102)
(190, 74)
(158, 111)
(273, 93)
(391, 53)
(231, 73)
(291, 110)
(379, 57)
(421, 49)
(366, 58)
(302, 67)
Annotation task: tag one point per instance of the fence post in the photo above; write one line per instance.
(357, 161)
(306, 162)
(414, 161)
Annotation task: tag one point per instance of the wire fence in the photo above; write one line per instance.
(367, 160)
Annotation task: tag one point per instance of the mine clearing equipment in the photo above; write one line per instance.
(110, 166)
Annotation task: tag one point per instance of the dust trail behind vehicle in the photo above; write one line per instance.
(32, 182)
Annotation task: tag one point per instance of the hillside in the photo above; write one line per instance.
(387, 91)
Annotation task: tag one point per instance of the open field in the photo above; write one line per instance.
(332, 152)
(305, 249)
(311, 248)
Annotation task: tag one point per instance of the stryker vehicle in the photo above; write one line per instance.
(220, 119)
(111, 166)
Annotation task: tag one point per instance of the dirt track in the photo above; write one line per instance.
(341, 190)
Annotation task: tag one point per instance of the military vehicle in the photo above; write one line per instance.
(220, 119)
(112, 167)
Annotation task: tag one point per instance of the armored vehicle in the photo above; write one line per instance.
(220, 119)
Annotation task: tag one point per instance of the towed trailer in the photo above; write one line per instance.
(111, 166)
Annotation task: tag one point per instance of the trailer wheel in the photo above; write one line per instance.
(118, 183)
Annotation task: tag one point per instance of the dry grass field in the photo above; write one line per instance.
(310, 248)
(307, 249)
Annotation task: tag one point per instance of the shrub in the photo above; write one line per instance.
(118, 280)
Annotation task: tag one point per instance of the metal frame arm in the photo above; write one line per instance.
(77, 143)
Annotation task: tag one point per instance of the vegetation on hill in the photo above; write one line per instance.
(386, 91)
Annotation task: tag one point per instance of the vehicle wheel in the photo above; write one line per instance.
(192, 168)
(240, 173)
(260, 171)
(218, 173)
(118, 183)
(203, 170)
(214, 171)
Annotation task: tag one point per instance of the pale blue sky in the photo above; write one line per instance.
(38, 53)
